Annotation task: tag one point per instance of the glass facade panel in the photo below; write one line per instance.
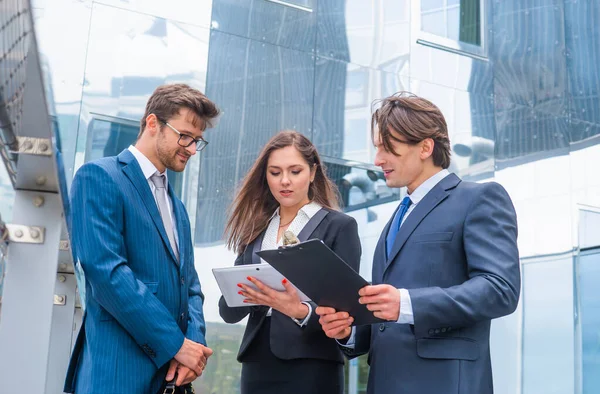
(548, 329)
(266, 21)
(588, 277)
(191, 12)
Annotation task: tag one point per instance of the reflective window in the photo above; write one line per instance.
(453, 19)
(548, 330)
(588, 277)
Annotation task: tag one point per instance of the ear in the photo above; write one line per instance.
(152, 124)
(427, 146)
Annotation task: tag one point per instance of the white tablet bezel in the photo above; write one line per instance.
(229, 277)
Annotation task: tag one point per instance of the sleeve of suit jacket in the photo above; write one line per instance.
(196, 330)
(98, 224)
(493, 287)
(346, 244)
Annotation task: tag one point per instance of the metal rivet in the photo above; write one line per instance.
(35, 234)
(19, 233)
(60, 298)
(41, 180)
(43, 147)
(27, 145)
(62, 278)
(62, 266)
(38, 201)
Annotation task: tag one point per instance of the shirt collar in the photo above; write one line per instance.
(309, 210)
(425, 187)
(148, 169)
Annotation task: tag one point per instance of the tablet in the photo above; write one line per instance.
(229, 277)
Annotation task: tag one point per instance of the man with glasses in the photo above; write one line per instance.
(143, 321)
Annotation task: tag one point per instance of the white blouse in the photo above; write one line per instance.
(270, 239)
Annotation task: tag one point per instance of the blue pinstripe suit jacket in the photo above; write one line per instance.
(140, 302)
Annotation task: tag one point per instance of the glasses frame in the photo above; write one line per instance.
(201, 143)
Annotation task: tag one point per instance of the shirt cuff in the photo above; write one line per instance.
(350, 343)
(406, 311)
(304, 322)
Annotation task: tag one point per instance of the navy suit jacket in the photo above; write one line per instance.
(457, 255)
(140, 302)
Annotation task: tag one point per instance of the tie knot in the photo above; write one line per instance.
(406, 201)
(159, 180)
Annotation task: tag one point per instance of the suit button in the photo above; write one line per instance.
(444, 329)
(382, 327)
(431, 331)
(182, 281)
(437, 330)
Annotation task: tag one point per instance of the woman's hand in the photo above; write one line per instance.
(287, 302)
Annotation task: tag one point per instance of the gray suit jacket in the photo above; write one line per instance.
(457, 255)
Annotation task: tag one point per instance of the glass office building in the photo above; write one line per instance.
(518, 82)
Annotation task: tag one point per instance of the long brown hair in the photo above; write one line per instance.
(254, 204)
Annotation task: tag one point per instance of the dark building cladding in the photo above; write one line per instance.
(534, 95)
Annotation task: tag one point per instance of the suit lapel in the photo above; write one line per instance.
(312, 225)
(256, 246)
(431, 200)
(133, 171)
(181, 230)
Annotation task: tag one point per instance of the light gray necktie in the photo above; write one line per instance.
(159, 193)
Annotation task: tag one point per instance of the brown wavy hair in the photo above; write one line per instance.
(415, 119)
(254, 204)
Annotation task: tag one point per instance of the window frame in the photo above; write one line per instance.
(292, 4)
(447, 44)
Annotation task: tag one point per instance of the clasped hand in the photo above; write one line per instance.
(287, 301)
(189, 362)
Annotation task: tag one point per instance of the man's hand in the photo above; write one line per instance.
(335, 324)
(184, 374)
(193, 355)
(287, 302)
(382, 300)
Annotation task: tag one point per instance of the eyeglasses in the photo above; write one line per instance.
(187, 140)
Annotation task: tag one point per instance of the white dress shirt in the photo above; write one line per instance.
(270, 240)
(148, 169)
(406, 311)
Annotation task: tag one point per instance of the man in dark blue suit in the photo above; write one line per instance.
(446, 264)
(143, 319)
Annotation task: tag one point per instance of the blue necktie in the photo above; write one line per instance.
(395, 226)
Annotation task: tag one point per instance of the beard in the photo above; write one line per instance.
(168, 157)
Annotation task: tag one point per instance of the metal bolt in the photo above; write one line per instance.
(41, 180)
(60, 298)
(62, 266)
(62, 278)
(19, 233)
(38, 201)
(27, 145)
(43, 147)
(35, 234)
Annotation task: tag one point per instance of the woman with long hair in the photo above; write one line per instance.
(284, 349)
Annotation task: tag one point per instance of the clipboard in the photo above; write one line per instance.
(228, 278)
(323, 276)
